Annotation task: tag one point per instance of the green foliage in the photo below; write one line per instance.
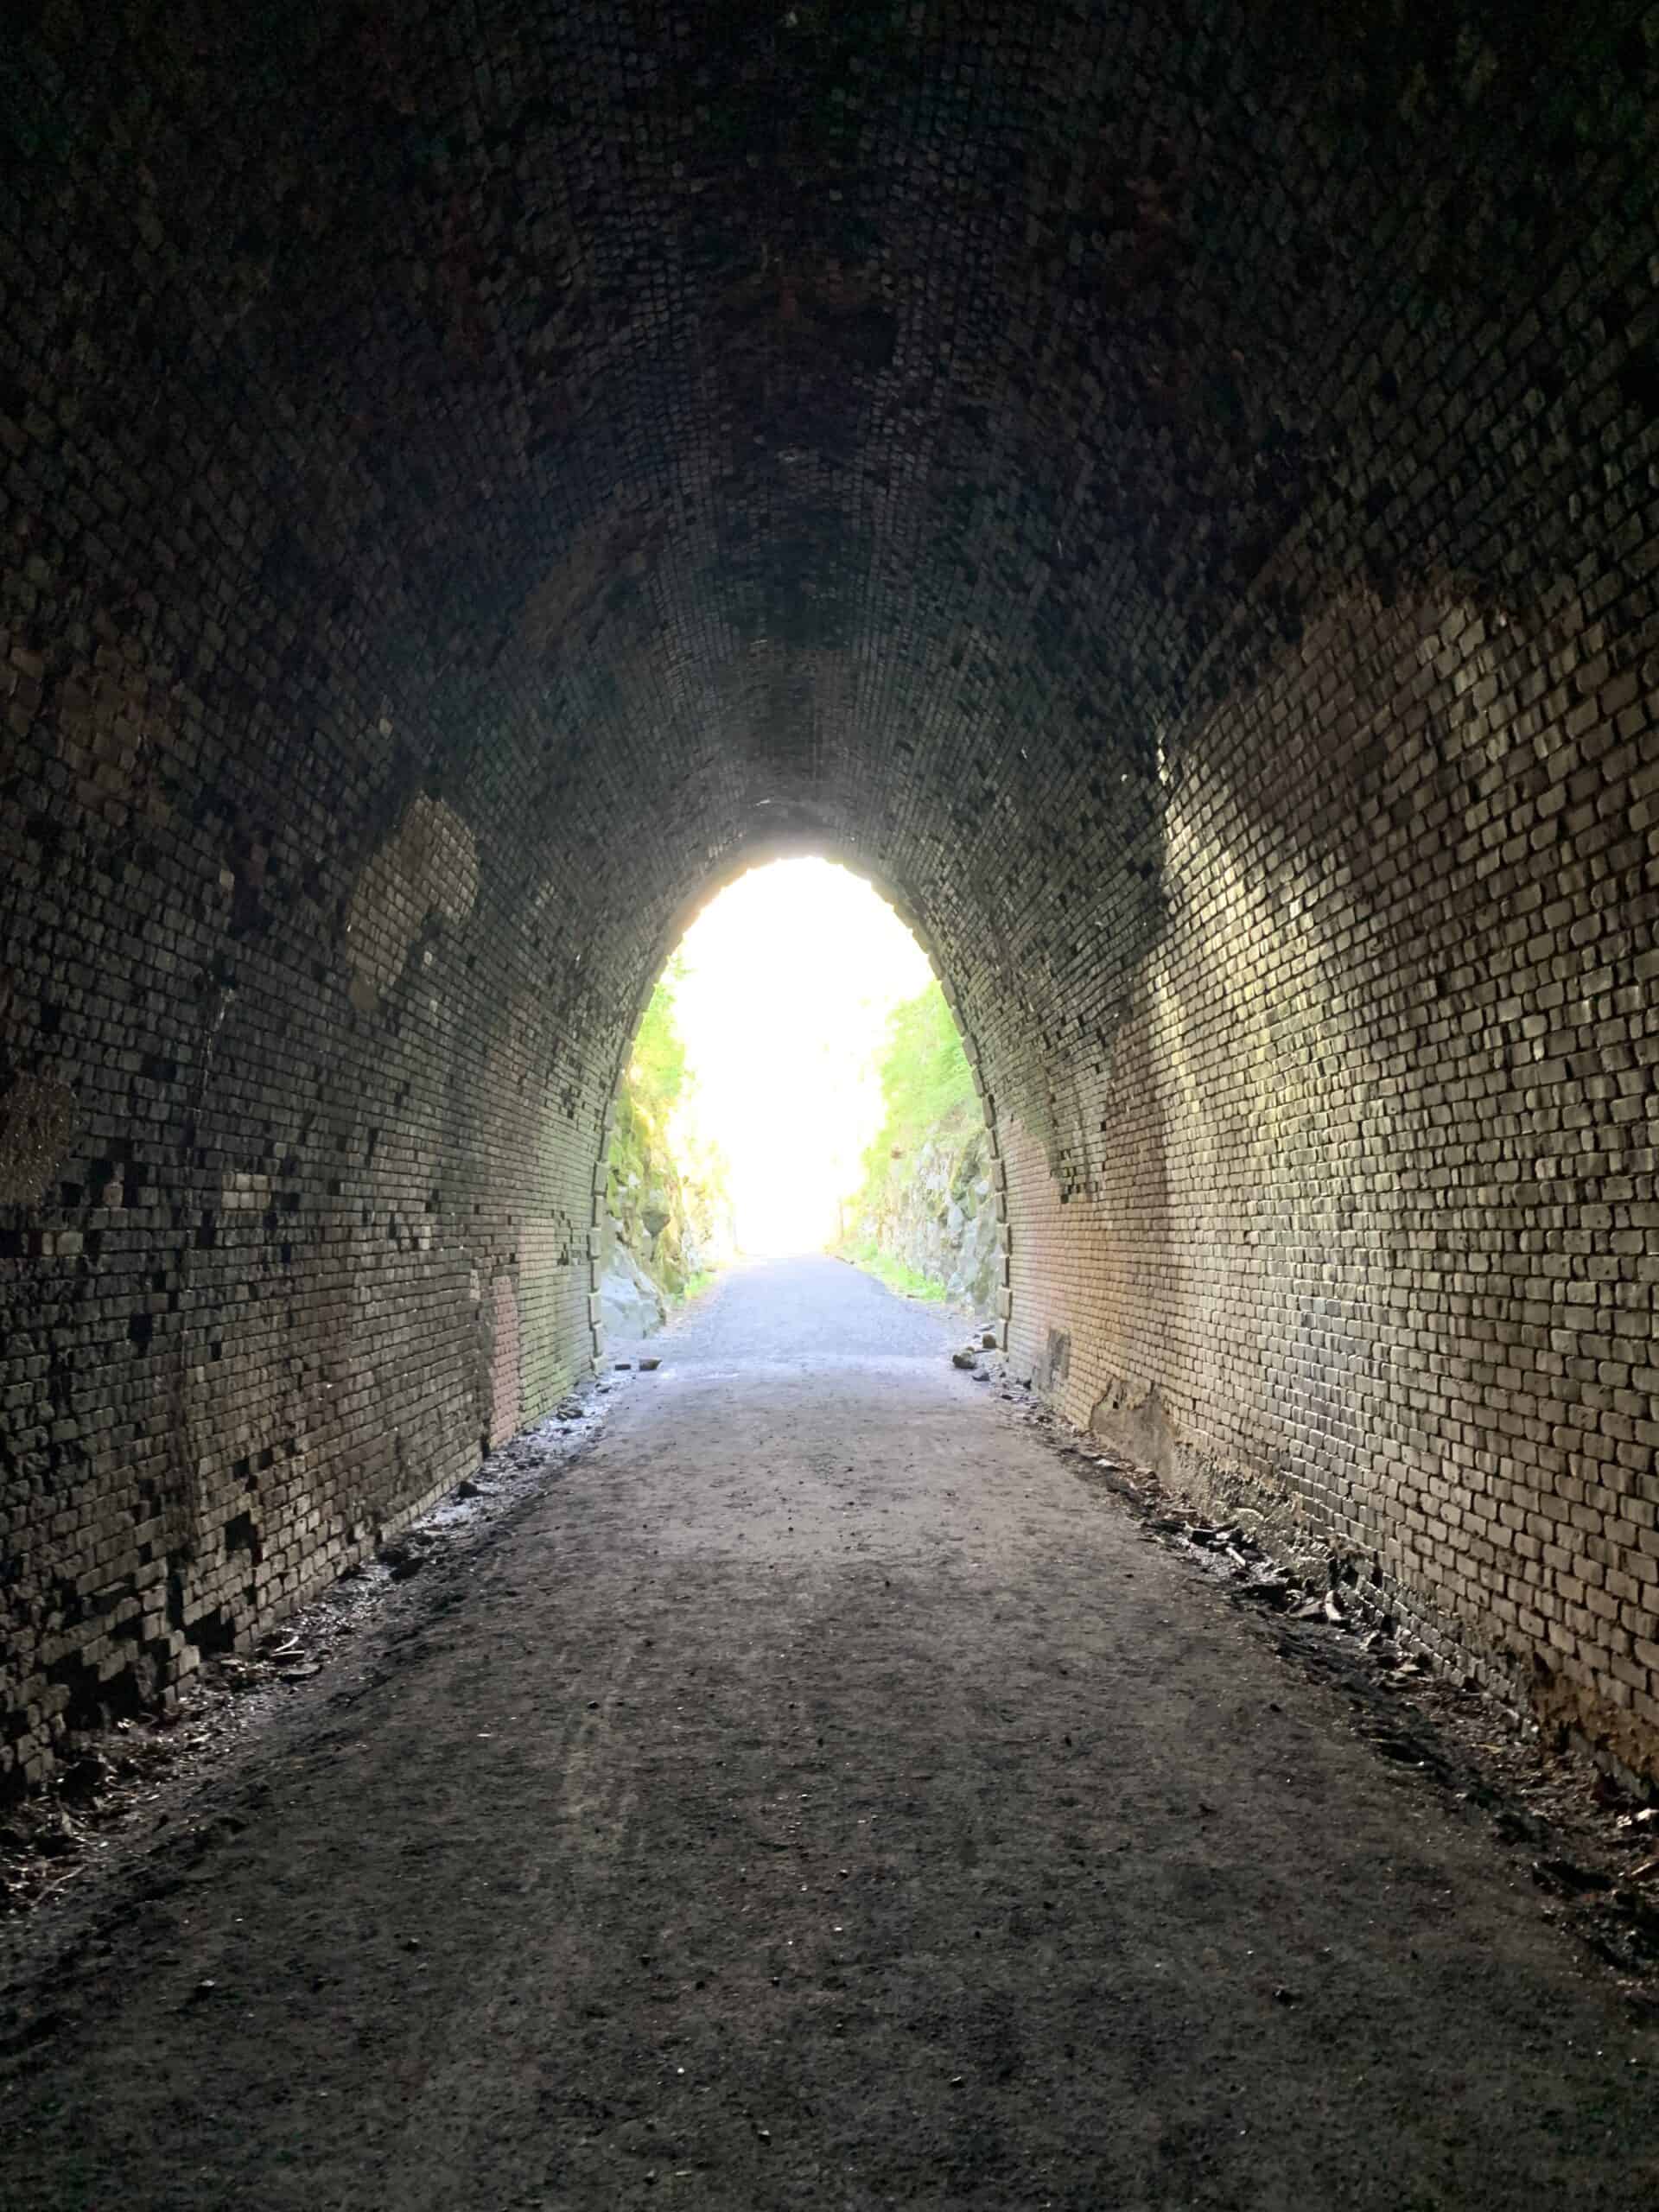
(657, 1065)
(666, 1191)
(896, 1276)
(653, 1079)
(926, 1084)
(927, 1092)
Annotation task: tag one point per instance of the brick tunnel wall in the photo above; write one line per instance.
(1362, 1218)
(1167, 489)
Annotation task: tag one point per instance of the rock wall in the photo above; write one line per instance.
(662, 1226)
(938, 1216)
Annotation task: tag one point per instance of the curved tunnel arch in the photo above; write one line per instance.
(1166, 484)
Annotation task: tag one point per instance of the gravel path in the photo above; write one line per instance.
(821, 1796)
(808, 1313)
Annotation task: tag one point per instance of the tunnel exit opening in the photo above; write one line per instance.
(797, 1081)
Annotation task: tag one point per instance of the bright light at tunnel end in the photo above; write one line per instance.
(790, 975)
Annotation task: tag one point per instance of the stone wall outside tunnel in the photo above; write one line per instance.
(1193, 542)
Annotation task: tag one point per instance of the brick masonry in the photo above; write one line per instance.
(1168, 489)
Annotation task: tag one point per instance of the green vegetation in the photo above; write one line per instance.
(671, 1211)
(927, 1091)
(656, 1074)
(925, 1217)
(896, 1276)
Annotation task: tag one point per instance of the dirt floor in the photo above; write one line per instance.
(821, 1791)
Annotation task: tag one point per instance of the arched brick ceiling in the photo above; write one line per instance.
(874, 414)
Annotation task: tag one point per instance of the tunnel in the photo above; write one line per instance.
(1165, 488)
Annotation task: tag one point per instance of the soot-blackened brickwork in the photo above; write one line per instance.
(1165, 488)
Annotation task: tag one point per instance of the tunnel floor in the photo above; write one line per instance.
(820, 1797)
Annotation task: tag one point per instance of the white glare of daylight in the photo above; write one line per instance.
(790, 975)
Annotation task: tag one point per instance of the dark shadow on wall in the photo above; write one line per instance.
(1075, 964)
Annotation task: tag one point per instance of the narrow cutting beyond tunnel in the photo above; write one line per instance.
(1164, 486)
(775, 1006)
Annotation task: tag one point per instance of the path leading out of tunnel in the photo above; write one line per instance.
(820, 1798)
